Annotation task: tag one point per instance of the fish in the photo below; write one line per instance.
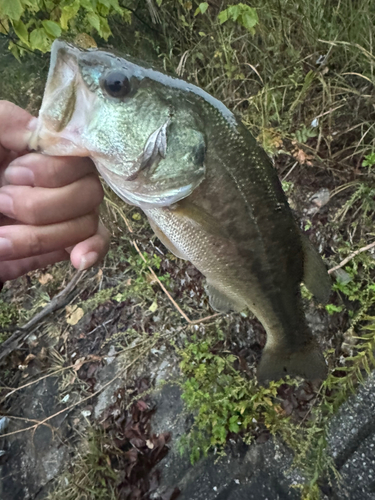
(210, 192)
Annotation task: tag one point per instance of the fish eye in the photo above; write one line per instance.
(117, 84)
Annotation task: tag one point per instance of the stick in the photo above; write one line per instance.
(351, 256)
(57, 302)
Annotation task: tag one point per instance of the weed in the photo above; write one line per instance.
(223, 400)
(369, 160)
(8, 315)
(92, 476)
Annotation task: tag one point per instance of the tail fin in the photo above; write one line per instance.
(308, 363)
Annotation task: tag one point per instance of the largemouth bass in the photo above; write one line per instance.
(210, 192)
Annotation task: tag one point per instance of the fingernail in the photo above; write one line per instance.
(88, 260)
(19, 175)
(6, 205)
(32, 125)
(6, 248)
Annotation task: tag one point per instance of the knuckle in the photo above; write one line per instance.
(34, 243)
(97, 189)
(30, 213)
(54, 174)
(6, 107)
(90, 223)
(93, 190)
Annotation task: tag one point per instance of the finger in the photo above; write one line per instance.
(16, 127)
(10, 270)
(19, 241)
(35, 169)
(87, 253)
(41, 206)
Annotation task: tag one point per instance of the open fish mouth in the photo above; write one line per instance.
(65, 106)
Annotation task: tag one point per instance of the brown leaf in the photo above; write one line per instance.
(78, 364)
(73, 314)
(29, 358)
(45, 278)
(141, 405)
(91, 370)
(150, 444)
(302, 157)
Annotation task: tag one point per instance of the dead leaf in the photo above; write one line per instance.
(73, 314)
(300, 155)
(150, 278)
(45, 278)
(150, 444)
(29, 358)
(78, 364)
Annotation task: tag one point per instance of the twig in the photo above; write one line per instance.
(177, 307)
(57, 302)
(351, 256)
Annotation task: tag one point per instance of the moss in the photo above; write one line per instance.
(8, 316)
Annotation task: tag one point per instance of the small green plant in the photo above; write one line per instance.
(241, 14)
(222, 399)
(369, 160)
(287, 187)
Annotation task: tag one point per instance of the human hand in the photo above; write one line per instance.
(49, 203)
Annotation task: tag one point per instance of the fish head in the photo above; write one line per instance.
(137, 124)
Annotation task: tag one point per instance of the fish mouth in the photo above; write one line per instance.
(66, 100)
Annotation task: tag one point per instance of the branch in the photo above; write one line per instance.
(57, 302)
(351, 256)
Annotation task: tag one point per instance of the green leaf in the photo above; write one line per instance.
(223, 16)
(88, 5)
(40, 40)
(94, 20)
(14, 50)
(11, 8)
(105, 31)
(67, 13)
(112, 4)
(21, 31)
(52, 28)
(201, 9)
(242, 14)
(249, 19)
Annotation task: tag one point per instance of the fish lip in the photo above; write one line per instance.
(55, 127)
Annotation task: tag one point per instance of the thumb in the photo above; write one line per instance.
(16, 126)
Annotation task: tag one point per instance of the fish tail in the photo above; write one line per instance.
(307, 362)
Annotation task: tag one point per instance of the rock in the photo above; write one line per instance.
(32, 460)
(351, 443)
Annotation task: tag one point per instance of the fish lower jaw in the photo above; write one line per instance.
(50, 142)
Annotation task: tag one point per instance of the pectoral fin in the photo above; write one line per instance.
(198, 217)
(220, 302)
(166, 241)
(316, 278)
